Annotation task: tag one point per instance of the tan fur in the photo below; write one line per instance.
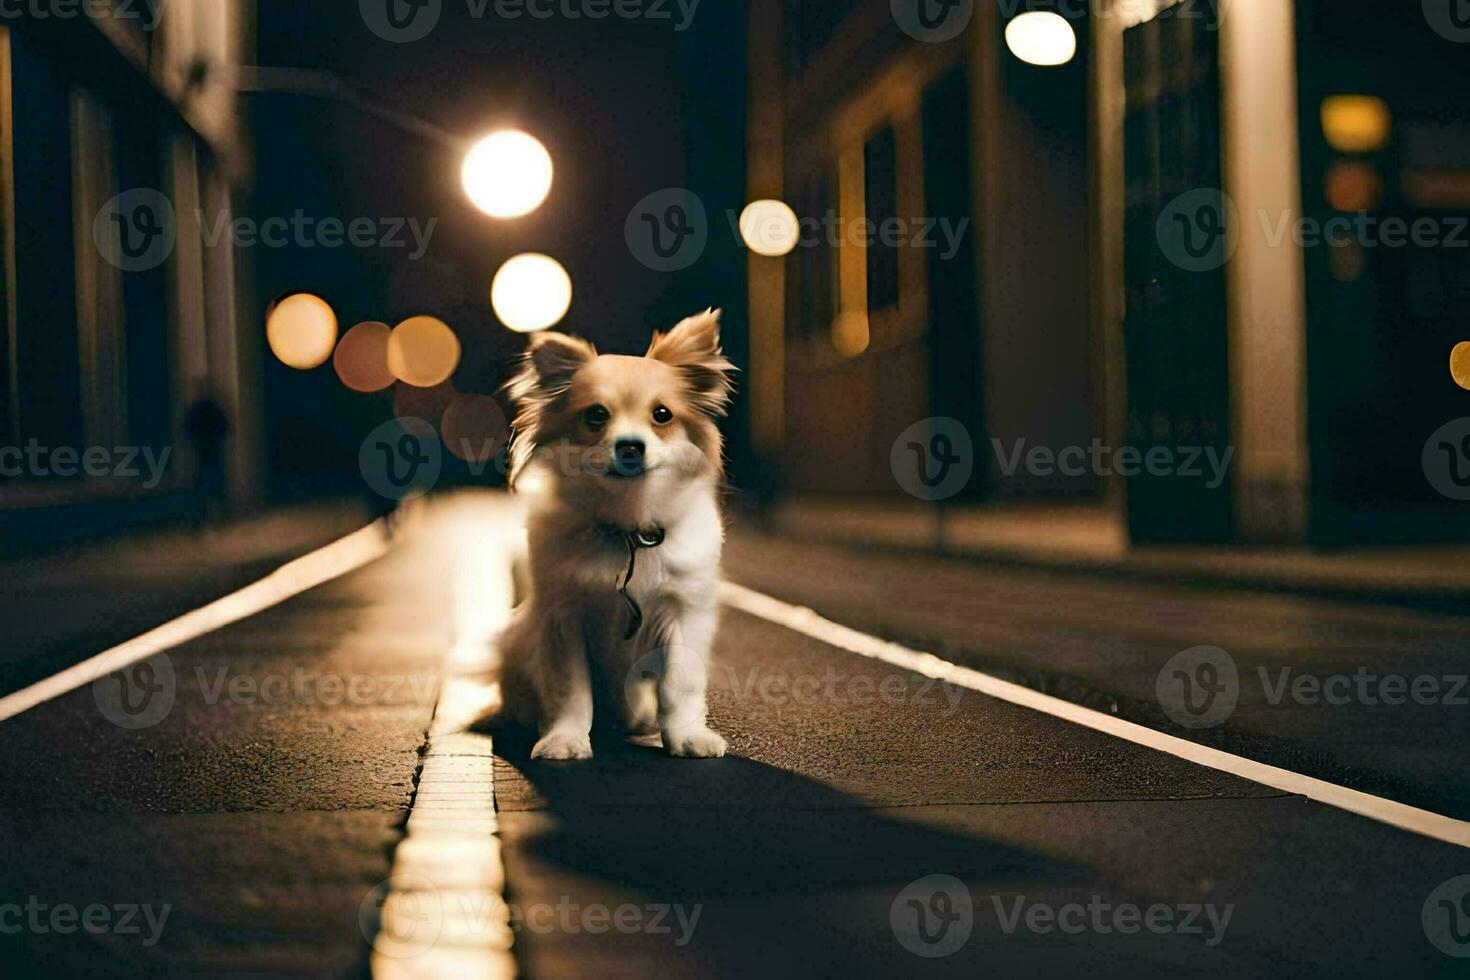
(574, 616)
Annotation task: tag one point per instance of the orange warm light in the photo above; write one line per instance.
(423, 351)
(1356, 123)
(361, 358)
(1460, 364)
(474, 428)
(1353, 186)
(301, 331)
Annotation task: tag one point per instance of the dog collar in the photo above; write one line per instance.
(637, 538)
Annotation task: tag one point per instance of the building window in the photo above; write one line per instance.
(813, 258)
(880, 199)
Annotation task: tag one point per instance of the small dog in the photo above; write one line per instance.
(623, 461)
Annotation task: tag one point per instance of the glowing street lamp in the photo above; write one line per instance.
(507, 174)
(531, 292)
(301, 331)
(1041, 37)
(769, 227)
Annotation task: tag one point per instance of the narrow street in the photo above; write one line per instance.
(868, 820)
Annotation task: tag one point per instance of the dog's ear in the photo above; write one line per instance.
(545, 374)
(693, 346)
(551, 361)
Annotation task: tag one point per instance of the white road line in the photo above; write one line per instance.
(809, 623)
(332, 561)
(445, 913)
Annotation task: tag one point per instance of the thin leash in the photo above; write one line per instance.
(647, 536)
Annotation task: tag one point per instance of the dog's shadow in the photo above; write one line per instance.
(745, 840)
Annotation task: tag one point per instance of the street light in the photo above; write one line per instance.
(1041, 37)
(531, 292)
(769, 227)
(301, 331)
(507, 174)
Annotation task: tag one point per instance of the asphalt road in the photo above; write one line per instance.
(868, 821)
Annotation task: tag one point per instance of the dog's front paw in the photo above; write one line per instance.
(563, 745)
(695, 743)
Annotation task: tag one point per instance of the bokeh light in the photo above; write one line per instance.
(301, 331)
(361, 357)
(507, 174)
(531, 292)
(850, 334)
(1351, 185)
(1041, 37)
(769, 227)
(1460, 364)
(474, 428)
(1356, 123)
(423, 351)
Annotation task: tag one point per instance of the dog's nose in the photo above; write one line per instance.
(628, 456)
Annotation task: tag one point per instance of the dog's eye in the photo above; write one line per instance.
(596, 416)
(662, 416)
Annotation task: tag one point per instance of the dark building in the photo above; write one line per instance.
(119, 134)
